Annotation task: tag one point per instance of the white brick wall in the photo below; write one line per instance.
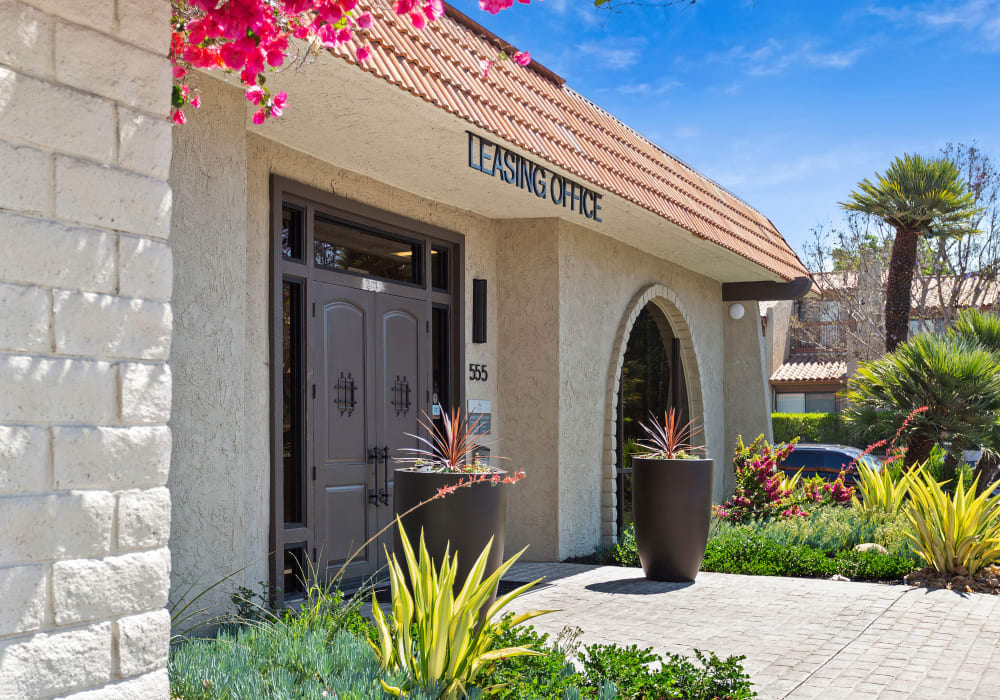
(85, 335)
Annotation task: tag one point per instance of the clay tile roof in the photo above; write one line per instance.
(533, 109)
(813, 371)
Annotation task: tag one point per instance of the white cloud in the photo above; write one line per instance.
(687, 132)
(657, 88)
(980, 18)
(609, 55)
(775, 57)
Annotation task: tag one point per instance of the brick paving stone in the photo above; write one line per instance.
(802, 638)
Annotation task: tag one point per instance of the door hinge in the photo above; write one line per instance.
(314, 309)
(314, 473)
(314, 556)
(428, 326)
(428, 396)
(314, 391)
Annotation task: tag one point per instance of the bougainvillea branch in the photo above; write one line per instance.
(248, 38)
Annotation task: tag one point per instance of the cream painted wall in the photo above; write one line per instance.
(219, 478)
(597, 279)
(746, 383)
(529, 306)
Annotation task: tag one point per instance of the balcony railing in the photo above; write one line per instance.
(813, 336)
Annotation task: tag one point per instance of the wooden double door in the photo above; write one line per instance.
(369, 364)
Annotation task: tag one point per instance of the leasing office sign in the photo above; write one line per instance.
(496, 161)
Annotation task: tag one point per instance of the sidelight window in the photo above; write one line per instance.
(292, 220)
(342, 246)
(292, 424)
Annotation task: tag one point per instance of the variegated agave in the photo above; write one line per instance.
(434, 636)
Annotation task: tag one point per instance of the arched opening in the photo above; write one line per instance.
(651, 381)
(666, 315)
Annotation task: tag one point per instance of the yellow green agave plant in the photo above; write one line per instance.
(878, 491)
(960, 531)
(434, 636)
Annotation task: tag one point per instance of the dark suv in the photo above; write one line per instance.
(826, 461)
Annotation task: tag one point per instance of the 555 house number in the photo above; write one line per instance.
(477, 372)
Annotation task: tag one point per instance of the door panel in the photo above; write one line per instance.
(342, 367)
(402, 341)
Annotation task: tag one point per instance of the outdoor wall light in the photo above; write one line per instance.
(736, 312)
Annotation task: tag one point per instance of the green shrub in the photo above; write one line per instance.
(745, 553)
(829, 529)
(808, 427)
(640, 673)
(548, 676)
(610, 671)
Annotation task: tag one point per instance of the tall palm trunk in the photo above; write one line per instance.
(918, 451)
(897, 288)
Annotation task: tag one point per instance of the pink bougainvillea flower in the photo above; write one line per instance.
(179, 117)
(255, 94)
(485, 66)
(418, 20)
(365, 21)
(494, 6)
(259, 116)
(278, 104)
(364, 54)
(522, 58)
(179, 72)
(196, 101)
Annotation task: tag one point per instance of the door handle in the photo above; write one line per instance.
(385, 481)
(373, 494)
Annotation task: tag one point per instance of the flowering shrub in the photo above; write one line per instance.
(759, 488)
(762, 491)
(251, 37)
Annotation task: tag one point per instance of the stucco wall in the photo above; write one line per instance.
(85, 335)
(746, 383)
(598, 278)
(529, 344)
(221, 461)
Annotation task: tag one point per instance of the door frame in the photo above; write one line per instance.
(284, 190)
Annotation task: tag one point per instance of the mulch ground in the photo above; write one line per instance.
(986, 580)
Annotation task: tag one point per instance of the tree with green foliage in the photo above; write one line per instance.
(955, 378)
(983, 328)
(917, 197)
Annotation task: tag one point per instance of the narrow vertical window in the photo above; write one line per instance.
(439, 268)
(295, 570)
(291, 232)
(292, 400)
(441, 357)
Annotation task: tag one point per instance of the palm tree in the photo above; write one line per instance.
(917, 196)
(984, 329)
(955, 378)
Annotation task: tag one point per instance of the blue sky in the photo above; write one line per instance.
(788, 103)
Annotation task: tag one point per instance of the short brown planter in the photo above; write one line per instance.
(671, 508)
(463, 521)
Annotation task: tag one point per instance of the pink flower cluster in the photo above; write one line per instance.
(250, 37)
(759, 491)
(497, 6)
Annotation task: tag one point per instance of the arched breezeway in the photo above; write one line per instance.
(665, 308)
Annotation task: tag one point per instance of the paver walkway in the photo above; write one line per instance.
(803, 638)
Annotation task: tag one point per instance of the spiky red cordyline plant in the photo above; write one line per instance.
(450, 448)
(667, 440)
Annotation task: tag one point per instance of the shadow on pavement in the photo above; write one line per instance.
(637, 586)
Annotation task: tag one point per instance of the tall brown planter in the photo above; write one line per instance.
(465, 519)
(671, 508)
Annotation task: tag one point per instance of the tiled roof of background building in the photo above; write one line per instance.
(533, 109)
(810, 371)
